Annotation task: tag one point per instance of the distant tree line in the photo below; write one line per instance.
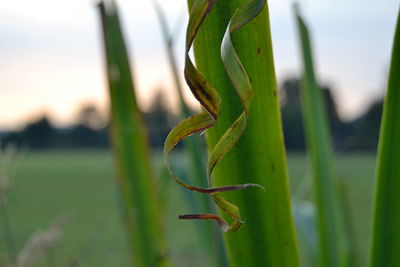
(92, 128)
(41, 134)
(360, 134)
(90, 131)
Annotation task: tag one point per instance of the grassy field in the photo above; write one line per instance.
(80, 184)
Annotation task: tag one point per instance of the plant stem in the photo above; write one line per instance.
(267, 238)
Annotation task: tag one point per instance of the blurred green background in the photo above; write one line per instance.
(79, 183)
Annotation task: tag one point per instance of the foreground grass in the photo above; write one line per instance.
(49, 184)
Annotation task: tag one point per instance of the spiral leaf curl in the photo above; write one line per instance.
(210, 101)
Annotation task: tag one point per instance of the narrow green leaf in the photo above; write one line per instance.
(352, 247)
(385, 246)
(129, 138)
(169, 45)
(267, 238)
(319, 148)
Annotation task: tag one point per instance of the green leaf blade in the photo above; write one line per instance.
(385, 245)
(329, 223)
(141, 211)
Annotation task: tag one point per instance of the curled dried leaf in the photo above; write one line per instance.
(210, 101)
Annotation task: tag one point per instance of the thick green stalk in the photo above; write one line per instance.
(131, 152)
(195, 153)
(385, 246)
(319, 148)
(267, 238)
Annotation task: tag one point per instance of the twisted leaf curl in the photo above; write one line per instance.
(210, 101)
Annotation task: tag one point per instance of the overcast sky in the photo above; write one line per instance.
(51, 57)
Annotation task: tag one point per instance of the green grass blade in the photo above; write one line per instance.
(319, 148)
(354, 257)
(385, 246)
(169, 45)
(267, 238)
(131, 151)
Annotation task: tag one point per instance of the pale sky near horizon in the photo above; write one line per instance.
(51, 55)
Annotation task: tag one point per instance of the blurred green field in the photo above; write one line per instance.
(80, 184)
